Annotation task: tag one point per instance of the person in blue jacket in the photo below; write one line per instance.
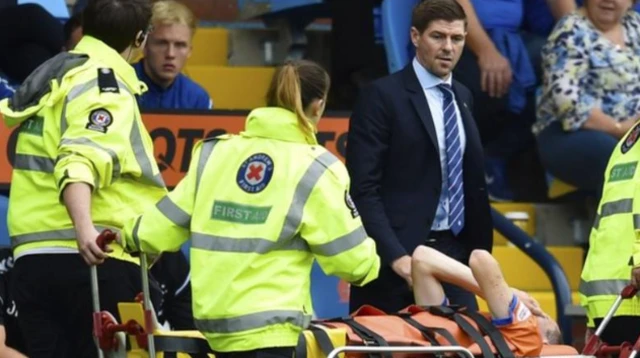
(166, 52)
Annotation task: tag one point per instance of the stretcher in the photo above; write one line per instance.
(425, 331)
(440, 331)
(596, 347)
(140, 336)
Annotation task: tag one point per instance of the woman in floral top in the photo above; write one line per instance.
(591, 91)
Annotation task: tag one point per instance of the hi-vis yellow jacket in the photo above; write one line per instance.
(79, 122)
(258, 207)
(615, 237)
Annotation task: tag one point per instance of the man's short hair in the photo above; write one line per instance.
(116, 22)
(170, 12)
(553, 335)
(427, 11)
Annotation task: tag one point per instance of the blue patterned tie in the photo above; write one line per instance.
(454, 160)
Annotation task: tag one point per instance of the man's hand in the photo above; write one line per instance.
(402, 267)
(495, 73)
(635, 277)
(89, 249)
(529, 302)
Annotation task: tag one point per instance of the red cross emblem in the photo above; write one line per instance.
(255, 171)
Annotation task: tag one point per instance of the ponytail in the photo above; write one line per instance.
(294, 86)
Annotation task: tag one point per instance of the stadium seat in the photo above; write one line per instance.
(233, 87)
(210, 47)
(510, 208)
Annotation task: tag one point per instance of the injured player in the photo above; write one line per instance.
(517, 315)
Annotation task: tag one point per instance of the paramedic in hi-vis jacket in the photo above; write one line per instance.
(258, 207)
(83, 162)
(613, 250)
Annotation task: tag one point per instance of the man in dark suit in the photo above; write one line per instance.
(416, 163)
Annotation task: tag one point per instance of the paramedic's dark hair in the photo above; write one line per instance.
(295, 85)
(116, 22)
(428, 11)
(73, 23)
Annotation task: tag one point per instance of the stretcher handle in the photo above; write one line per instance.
(105, 238)
(628, 292)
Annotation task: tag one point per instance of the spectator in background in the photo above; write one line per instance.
(591, 91)
(500, 65)
(29, 36)
(165, 54)
(72, 30)
(542, 15)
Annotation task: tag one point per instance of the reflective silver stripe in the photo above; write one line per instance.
(252, 321)
(142, 158)
(636, 221)
(135, 137)
(244, 245)
(205, 152)
(341, 244)
(134, 234)
(90, 143)
(33, 162)
(63, 234)
(302, 193)
(75, 92)
(602, 287)
(615, 207)
(173, 212)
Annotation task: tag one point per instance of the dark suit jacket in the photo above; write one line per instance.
(396, 178)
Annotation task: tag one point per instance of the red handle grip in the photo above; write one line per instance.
(628, 292)
(105, 238)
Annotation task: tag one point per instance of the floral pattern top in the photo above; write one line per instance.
(584, 70)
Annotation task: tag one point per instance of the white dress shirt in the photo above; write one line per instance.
(429, 83)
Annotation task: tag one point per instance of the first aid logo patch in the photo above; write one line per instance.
(631, 139)
(99, 120)
(255, 173)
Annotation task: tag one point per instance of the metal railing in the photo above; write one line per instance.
(408, 349)
(547, 262)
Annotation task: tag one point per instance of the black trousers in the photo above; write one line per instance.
(390, 293)
(278, 352)
(53, 297)
(620, 329)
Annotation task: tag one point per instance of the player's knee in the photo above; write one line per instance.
(421, 258)
(481, 259)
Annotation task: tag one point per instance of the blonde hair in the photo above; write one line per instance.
(169, 12)
(294, 86)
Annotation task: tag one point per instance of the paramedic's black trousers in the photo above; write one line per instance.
(53, 296)
(620, 329)
(278, 352)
